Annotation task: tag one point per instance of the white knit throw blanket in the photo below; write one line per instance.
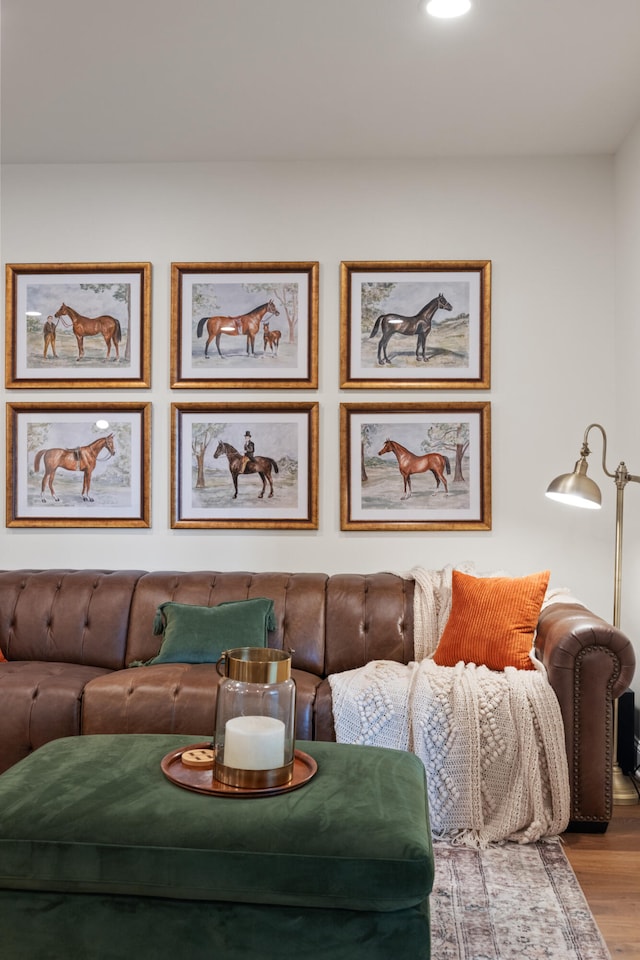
(492, 743)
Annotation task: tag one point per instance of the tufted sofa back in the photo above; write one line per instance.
(105, 618)
(369, 617)
(66, 616)
(299, 606)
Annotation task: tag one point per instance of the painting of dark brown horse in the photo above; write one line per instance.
(247, 324)
(83, 327)
(76, 458)
(263, 466)
(409, 463)
(417, 326)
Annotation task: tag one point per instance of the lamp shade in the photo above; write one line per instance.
(576, 489)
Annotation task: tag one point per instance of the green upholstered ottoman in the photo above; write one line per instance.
(102, 857)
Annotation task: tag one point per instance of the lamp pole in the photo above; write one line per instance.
(623, 790)
(580, 487)
(622, 478)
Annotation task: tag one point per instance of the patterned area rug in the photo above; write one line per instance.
(510, 902)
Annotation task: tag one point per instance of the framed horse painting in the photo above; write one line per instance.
(78, 465)
(245, 325)
(417, 324)
(78, 325)
(413, 466)
(245, 465)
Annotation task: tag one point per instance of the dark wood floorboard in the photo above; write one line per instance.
(608, 868)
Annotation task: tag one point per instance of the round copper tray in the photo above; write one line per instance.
(203, 781)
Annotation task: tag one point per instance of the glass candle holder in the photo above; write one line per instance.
(254, 739)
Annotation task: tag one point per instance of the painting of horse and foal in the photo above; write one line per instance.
(244, 324)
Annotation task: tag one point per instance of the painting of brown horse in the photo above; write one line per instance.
(263, 466)
(83, 327)
(417, 326)
(409, 463)
(247, 324)
(77, 458)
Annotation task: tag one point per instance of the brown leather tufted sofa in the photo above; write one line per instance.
(68, 636)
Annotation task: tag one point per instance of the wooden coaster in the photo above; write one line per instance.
(200, 759)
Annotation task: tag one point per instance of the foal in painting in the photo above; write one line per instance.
(409, 463)
(271, 338)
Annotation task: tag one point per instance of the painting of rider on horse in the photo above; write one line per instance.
(243, 467)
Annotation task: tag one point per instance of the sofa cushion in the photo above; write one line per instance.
(175, 698)
(96, 814)
(492, 621)
(197, 634)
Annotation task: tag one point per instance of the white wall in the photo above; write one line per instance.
(547, 226)
(627, 369)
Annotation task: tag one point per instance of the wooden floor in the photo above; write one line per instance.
(607, 866)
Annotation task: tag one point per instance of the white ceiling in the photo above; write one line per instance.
(175, 80)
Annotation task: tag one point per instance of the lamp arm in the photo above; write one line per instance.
(585, 451)
(621, 475)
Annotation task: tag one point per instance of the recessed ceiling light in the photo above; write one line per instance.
(446, 8)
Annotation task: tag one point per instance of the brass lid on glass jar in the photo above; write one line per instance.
(255, 665)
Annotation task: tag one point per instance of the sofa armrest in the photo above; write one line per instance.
(589, 663)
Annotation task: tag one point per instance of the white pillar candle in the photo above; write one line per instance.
(254, 743)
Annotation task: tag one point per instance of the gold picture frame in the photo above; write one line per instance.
(415, 324)
(244, 325)
(78, 325)
(244, 465)
(415, 466)
(78, 465)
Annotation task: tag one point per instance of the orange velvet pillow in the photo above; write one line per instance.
(492, 620)
(3, 659)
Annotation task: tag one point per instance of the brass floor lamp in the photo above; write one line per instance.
(578, 490)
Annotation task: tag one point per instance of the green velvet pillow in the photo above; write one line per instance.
(195, 634)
